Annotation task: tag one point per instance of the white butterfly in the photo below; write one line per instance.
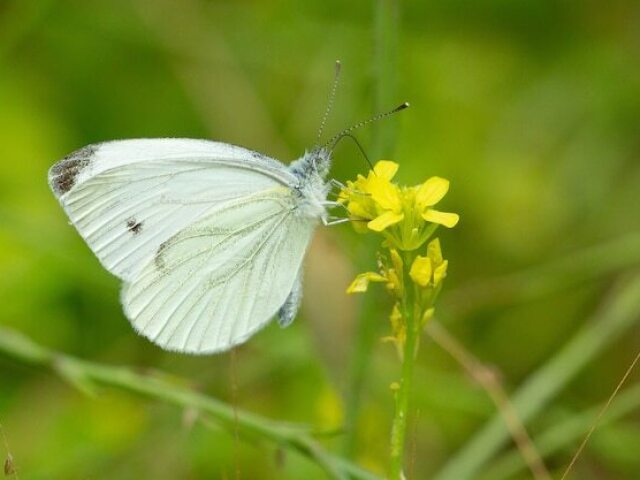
(209, 238)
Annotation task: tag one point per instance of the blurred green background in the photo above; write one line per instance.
(530, 108)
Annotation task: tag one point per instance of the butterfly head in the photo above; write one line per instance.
(313, 166)
(311, 171)
(321, 161)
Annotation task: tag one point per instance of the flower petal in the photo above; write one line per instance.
(395, 318)
(431, 192)
(434, 252)
(440, 273)
(385, 220)
(385, 194)
(428, 315)
(358, 208)
(361, 282)
(385, 169)
(421, 270)
(449, 220)
(396, 260)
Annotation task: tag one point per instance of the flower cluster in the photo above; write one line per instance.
(406, 219)
(425, 273)
(404, 215)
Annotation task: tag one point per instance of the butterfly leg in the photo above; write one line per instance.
(331, 204)
(336, 183)
(327, 222)
(336, 187)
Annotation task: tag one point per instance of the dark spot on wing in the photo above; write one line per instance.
(134, 226)
(63, 174)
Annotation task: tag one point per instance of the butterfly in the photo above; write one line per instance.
(208, 238)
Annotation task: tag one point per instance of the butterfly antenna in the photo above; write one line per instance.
(333, 140)
(349, 135)
(332, 96)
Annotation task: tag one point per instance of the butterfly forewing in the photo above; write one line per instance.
(126, 198)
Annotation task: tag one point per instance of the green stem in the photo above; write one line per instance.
(410, 312)
(86, 376)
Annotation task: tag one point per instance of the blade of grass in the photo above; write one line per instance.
(616, 315)
(249, 425)
(598, 419)
(487, 379)
(564, 433)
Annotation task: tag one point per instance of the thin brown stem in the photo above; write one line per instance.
(234, 402)
(488, 380)
(599, 417)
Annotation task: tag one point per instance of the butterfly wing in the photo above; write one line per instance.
(204, 234)
(128, 197)
(218, 281)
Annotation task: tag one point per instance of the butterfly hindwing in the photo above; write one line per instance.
(218, 281)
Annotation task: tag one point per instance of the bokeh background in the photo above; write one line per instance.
(530, 108)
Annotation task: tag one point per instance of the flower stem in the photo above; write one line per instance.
(410, 312)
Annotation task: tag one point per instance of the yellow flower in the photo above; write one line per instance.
(426, 316)
(421, 270)
(399, 330)
(429, 270)
(404, 215)
(361, 283)
(440, 272)
(438, 263)
(430, 193)
(434, 252)
(375, 198)
(386, 195)
(391, 275)
(396, 284)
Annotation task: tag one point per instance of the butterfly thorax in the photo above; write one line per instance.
(311, 170)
